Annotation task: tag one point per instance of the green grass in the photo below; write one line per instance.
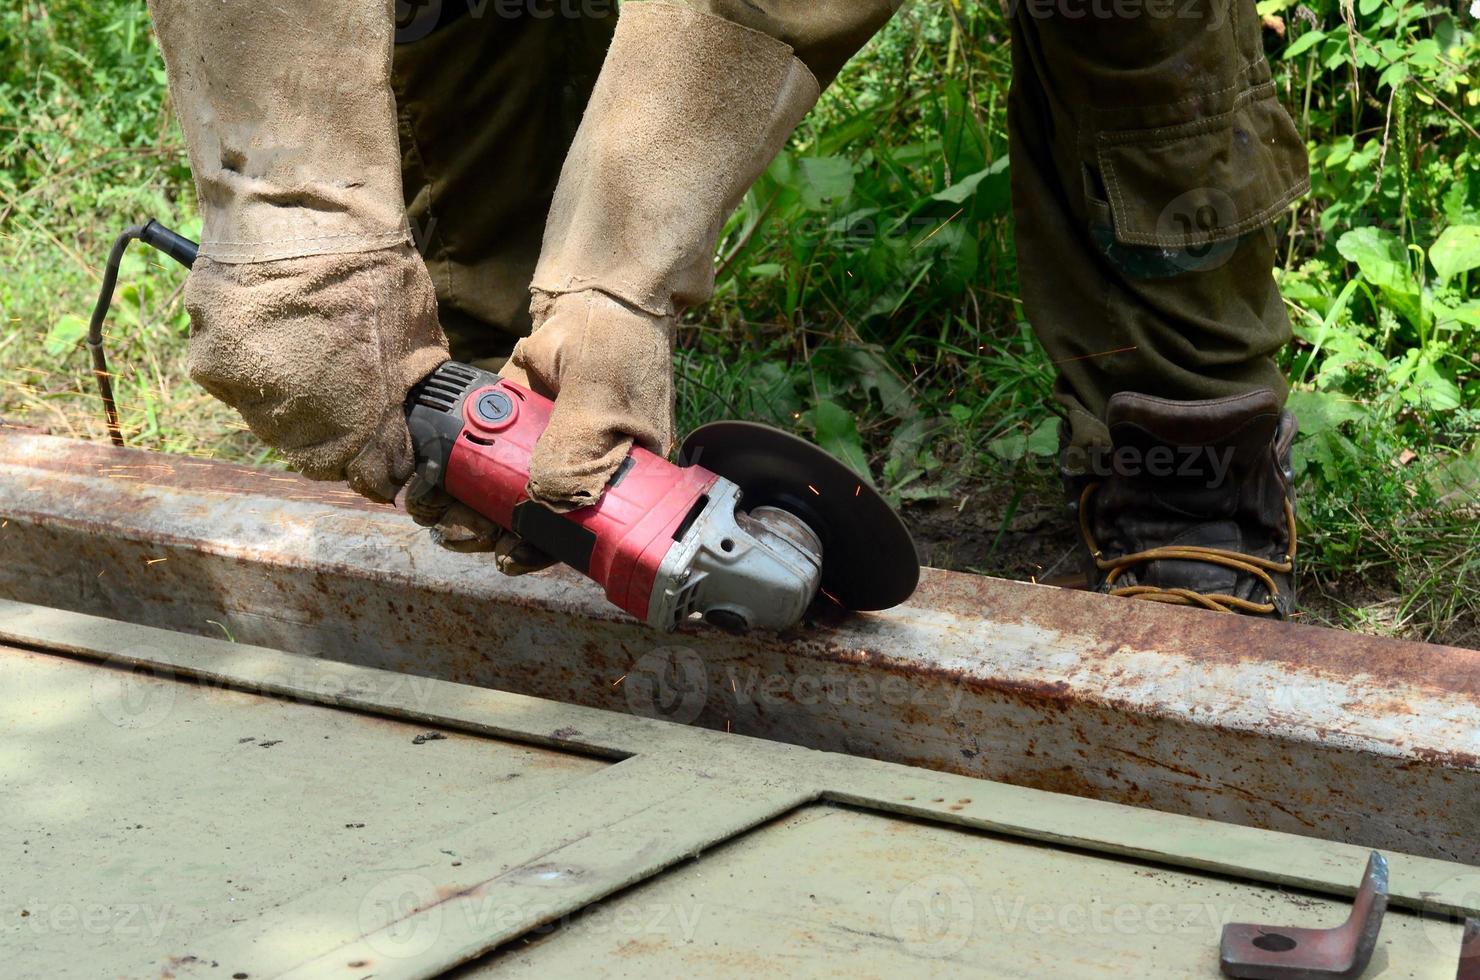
(88, 146)
(867, 287)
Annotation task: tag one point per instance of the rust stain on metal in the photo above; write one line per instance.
(1151, 706)
(1206, 637)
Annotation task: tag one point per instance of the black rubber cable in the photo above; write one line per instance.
(152, 233)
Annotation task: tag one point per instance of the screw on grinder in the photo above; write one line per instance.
(745, 536)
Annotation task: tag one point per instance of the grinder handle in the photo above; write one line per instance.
(474, 434)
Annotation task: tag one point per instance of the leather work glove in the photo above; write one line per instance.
(317, 354)
(609, 370)
(311, 314)
(689, 110)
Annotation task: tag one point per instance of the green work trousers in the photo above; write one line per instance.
(1150, 160)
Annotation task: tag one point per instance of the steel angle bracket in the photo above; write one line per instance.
(1469, 952)
(1291, 953)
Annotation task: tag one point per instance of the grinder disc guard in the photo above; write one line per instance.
(868, 558)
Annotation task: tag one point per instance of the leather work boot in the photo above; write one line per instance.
(1192, 505)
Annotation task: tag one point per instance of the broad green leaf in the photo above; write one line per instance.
(1424, 52)
(1322, 411)
(1304, 43)
(824, 181)
(961, 191)
(1383, 259)
(867, 367)
(1379, 254)
(1466, 313)
(1394, 74)
(1042, 441)
(64, 335)
(1456, 251)
(1421, 383)
(1340, 151)
(963, 140)
(967, 187)
(837, 432)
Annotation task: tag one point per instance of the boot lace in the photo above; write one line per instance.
(1260, 568)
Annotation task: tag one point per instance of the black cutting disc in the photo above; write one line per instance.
(868, 557)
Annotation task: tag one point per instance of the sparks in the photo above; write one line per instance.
(1103, 353)
(814, 489)
(155, 561)
(938, 230)
(619, 680)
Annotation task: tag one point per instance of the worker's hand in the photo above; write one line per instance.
(609, 368)
(458, 527)
(310, 312)
(317, 353)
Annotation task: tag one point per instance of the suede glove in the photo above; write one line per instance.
(311, 314)
(608, 369)
(317, 353)
(688, 111)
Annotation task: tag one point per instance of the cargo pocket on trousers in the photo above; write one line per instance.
(1187, 187)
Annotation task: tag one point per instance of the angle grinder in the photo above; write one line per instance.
(745, 532)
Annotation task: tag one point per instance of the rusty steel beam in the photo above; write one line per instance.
(1369, 741)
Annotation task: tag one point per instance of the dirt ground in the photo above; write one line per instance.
(981, 531)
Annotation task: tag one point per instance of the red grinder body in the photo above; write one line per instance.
(620, 541)
(739, 543)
